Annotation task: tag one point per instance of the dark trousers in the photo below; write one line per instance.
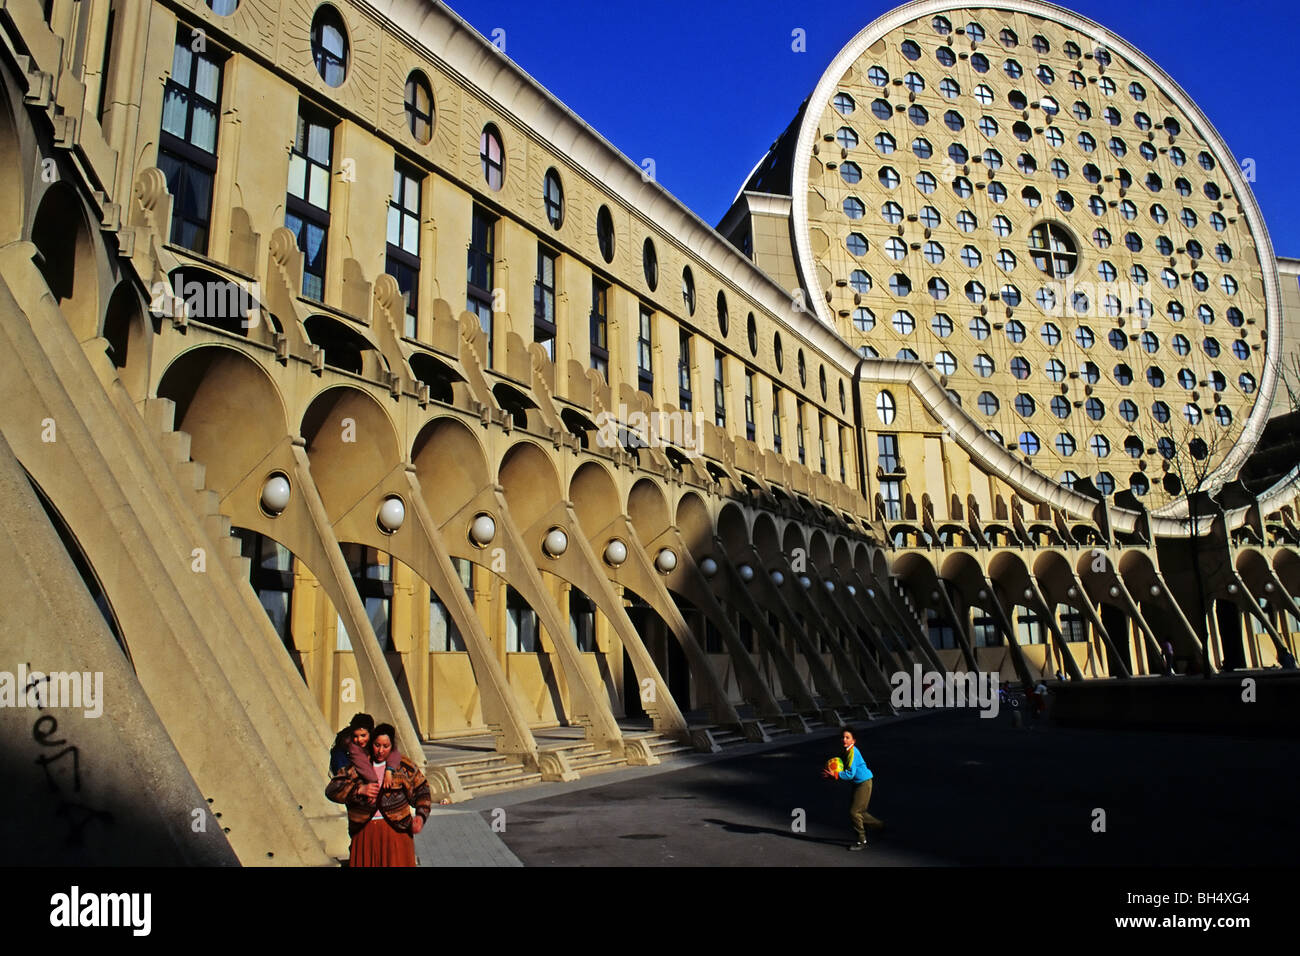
(858, 810)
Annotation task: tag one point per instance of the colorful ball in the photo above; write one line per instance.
(835, 765)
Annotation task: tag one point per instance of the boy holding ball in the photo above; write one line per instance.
(855, 772)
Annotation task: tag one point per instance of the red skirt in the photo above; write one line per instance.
(378, 844)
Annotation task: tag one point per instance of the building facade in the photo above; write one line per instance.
(354, 372)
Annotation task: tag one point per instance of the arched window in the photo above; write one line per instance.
(605, 233)
(886, 407)
(492, 157)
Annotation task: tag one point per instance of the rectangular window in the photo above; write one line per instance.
(372, 573)
(821, 441)
(544, 301)
(479, 272)
(942, 634)
(1073, 629)
(271, 575)
(776, 417)
(187, 143)
(1029, 626)
(403, 262)
(749, 404)
(844, 454)
(985, 631)
(798, 427)
(887, 453)
(719, 392)
(582, 621)
(645, 376)
(444, 636)
(307, 207)
(600, 327)
(891, 491)
(521, 624)
(684, 394)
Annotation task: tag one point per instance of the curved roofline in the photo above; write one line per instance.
(878, 28)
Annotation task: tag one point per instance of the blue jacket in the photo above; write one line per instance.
(855, 768)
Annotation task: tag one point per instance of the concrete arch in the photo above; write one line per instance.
(819, 551)
(695, 524)
(842, 558)
(351, 442)
(963, 572)
(13, 185)
(594, 495)
(647, 507)
(766, 539)
(733, 529)
(792, 539)
(127, 329)
(451, 464)
(230, 408)
(531, 484)
(66, 257)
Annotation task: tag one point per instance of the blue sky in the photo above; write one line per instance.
(703, 88)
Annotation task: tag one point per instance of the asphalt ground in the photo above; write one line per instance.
(953, 790)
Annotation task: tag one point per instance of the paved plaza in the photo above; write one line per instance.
(952, 788)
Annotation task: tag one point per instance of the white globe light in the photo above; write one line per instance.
(666, 560)
(483, 529)
(1073, 592)
(983, 595)
(1268, 586)
(778, 578)
(1155, 590)
(746, 573)
(708, 567)
(934, 595)
(615, 552)
(1029, 594)
(1232, 589)
(1114, 591)
(830, 585)
(871, 592)
(275, 495)
(853, 591)
(392, 513)
(805, 582)
(556, 542)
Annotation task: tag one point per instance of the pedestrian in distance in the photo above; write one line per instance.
(855, 772)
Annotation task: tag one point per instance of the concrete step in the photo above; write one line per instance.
(175, 446)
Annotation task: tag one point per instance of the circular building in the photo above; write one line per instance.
(1030, 205)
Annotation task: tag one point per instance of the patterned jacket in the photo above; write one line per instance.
(405, 790)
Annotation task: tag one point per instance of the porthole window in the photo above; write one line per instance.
(1240, 349)
(1128, 410)
(1085, 337)
(1029, 443)
(888, 177)
(900, 284)
(864, 320)
(967, 222)
(945, 362)
(918, 115)
(1060, 406)
(723, 317)
(553, 198)
(853, 208)
(859, 281)
(1055, 370)
(962, 187)
(926, 182)
(911, 50)
(997, 192)
(878, 76)
(937, 287)
(884, 143)
(892, 213)
(1099, 445)
(1095, 408)
(329, 45)
(979, 63)
(605, 233)
(844, 103)
(851, 173)
(1247, 382)
(856, 243)
(846, 137)
(881, 110)
(1105, 483)
(983, 365)
(1050, 333)
(913, 82)
(941, 325)
(1013, 69)
(886, 408)
(992, 159)
(1052, 250)
(419, 107)
(1123, 374)
(895, 248)
(903, 321)
(1065, 445)
(1001, 226)
(980, 328)
(650, 263)
(945, 56)
(922, 148)
(1025, 406)
(954, 121)
(987, 403)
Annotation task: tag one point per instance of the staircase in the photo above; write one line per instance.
(475, 776)
(661, 745)
(583, 758)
